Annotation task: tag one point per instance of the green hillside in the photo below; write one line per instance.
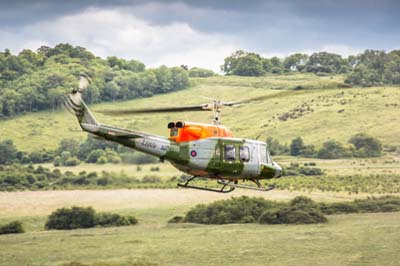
(315, 108)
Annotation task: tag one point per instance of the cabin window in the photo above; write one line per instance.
(244, 153)
(174, 132)
(230, 152)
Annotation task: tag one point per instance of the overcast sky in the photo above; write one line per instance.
(201, 33)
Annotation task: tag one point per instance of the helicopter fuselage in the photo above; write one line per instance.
(214, 157)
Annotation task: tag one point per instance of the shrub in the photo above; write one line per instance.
(268, 217)
(71, 161)
(338, 208)
(151, 179)
(303, 203)
(71, 218)
(196, 72)
(301, 210)
(94, 156)
(372, 204)
(111, 219)
(79, 217)
(101, 160)
(309, 171)
(57, 161)
(298, 216)
(235, 210)
(155, 169)
(132, 220)
(14, 227)
(176, 219)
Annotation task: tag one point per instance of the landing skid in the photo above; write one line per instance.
(258, 188)
(226, 188)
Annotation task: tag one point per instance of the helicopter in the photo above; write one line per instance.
(204, 151)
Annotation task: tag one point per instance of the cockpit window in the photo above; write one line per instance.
(174, 132)
(230, 152)
(244, 153)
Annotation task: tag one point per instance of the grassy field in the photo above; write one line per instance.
(359, 239)
(339, 112)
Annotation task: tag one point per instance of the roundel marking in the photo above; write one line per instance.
(193, 153)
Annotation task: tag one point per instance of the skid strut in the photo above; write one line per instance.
(226, 188)
(259, 186)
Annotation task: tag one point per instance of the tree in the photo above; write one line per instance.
(326, 63)
(295, 62)
(297, 146)
(8, 151)
(275, 148)
(364, 76)
(366, 146)
(69, 145)
(332, 149)
(242, 63)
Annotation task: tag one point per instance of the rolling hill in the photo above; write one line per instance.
(313, 107)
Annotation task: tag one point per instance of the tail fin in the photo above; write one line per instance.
(77, 106)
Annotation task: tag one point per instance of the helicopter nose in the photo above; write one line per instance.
(278, 170)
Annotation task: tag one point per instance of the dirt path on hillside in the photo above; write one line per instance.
(31, 203)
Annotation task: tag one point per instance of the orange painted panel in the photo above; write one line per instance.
(195, 131)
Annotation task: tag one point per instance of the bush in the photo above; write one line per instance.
(71, 218)
(14, 227)
(297, 216)
(101, 160)
(235, 210)
(57, 161)
(95, 155)
(310, 171)
(301, 210)
(338, 208)
(196, 72)
(113, 219)
(80, 217)
(151, 179)
(71, 161)
(176, 219)
(372, 204)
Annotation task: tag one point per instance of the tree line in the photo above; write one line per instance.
(370, 68)
(72, 152)
(360, 145)
(38, 80)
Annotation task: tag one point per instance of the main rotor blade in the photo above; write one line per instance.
(259, 98)
(203, 107)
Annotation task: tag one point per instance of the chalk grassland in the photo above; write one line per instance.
(319, 111)
(359, 239)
